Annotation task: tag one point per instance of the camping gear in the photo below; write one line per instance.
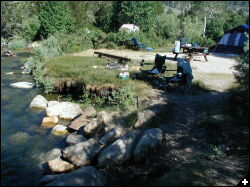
(159, 67)
(139, 44)
(184, 41)
(177, 46)
(124, 75)
(233, 40)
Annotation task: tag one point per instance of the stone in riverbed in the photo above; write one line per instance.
(82, 119)
(49, 121)
(58, 165)
(9, 73)
(19, 138)
(82, 153)
(64, 110)
(39, 102)
(48, 178)
(93, 126)
(25, 85)
(84, 176)
(73, 139)
(59, 130)
(150, 139)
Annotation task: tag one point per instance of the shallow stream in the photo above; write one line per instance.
(22, 138)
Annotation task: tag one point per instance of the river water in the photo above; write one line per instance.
(22, 138)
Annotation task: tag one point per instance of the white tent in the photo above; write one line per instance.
(129, 28)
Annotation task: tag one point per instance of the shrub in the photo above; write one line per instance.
(124, 97)
(30, 28)
(242, 67)
(167, 26)
(17, 43)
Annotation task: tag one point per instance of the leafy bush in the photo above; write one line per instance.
(167, 26)
(30, 28)
(75, 42)
(17, 43)
(124, 97)
(242, 67)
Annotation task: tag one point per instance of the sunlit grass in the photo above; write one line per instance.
(82, 68)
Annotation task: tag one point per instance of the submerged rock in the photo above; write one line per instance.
(25, 85)
(84, 176)
(48, 178)
(59, 130)
(49, 121)
(73, 139)
(39, 102)
(120, 151)
(19, 138)
(9, 73)
(150, 139)
(82, 153)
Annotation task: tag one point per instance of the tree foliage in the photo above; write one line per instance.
(55, 16)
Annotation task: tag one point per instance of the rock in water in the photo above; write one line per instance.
(82, 119)
(39, 102)
(150, 139)
(84, 176)
(70, 111)
(49, 121)
(64, 110)
(59, 130)
(120, 151)
(25, 85)
(58, 165)
(82, 153)
(73, 139)
(19, 138)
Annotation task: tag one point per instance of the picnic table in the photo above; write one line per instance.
(192, 51)
(120, 58)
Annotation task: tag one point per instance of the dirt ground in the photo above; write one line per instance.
(182, 140)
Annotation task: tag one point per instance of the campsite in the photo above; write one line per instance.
(124, 93)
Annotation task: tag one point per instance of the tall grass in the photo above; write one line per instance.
(17, 43)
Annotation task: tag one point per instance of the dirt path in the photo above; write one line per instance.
(182, 140)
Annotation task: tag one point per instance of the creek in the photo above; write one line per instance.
(22, 138)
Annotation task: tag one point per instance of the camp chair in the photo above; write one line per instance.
(138, 44)
(159, 67)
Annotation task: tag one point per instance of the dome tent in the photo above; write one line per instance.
(233, 40)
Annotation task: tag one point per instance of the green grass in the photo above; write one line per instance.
(81, 68)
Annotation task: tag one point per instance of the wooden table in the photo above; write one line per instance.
(120, 58)
(192, 51)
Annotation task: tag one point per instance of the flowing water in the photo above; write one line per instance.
(22, 138)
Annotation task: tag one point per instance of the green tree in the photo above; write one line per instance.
(55, 16)
(104, 16)
(242, 67)
(141, 13)
(168, 26)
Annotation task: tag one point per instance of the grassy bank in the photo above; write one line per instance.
(91, 71)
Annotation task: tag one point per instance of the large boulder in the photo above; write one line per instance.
(150, 139)
(73, 139)
(24, 85)
(49, 121)
(82, 120)
(84, 176)
(119, 151)
(39, 102)
(82, 153)
(49, 178)
(59, 130)
(94, 126)
(58, 165)
(145, 117)
(109, 136)
(64, 110)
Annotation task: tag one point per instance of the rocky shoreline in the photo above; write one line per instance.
(95, 140)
